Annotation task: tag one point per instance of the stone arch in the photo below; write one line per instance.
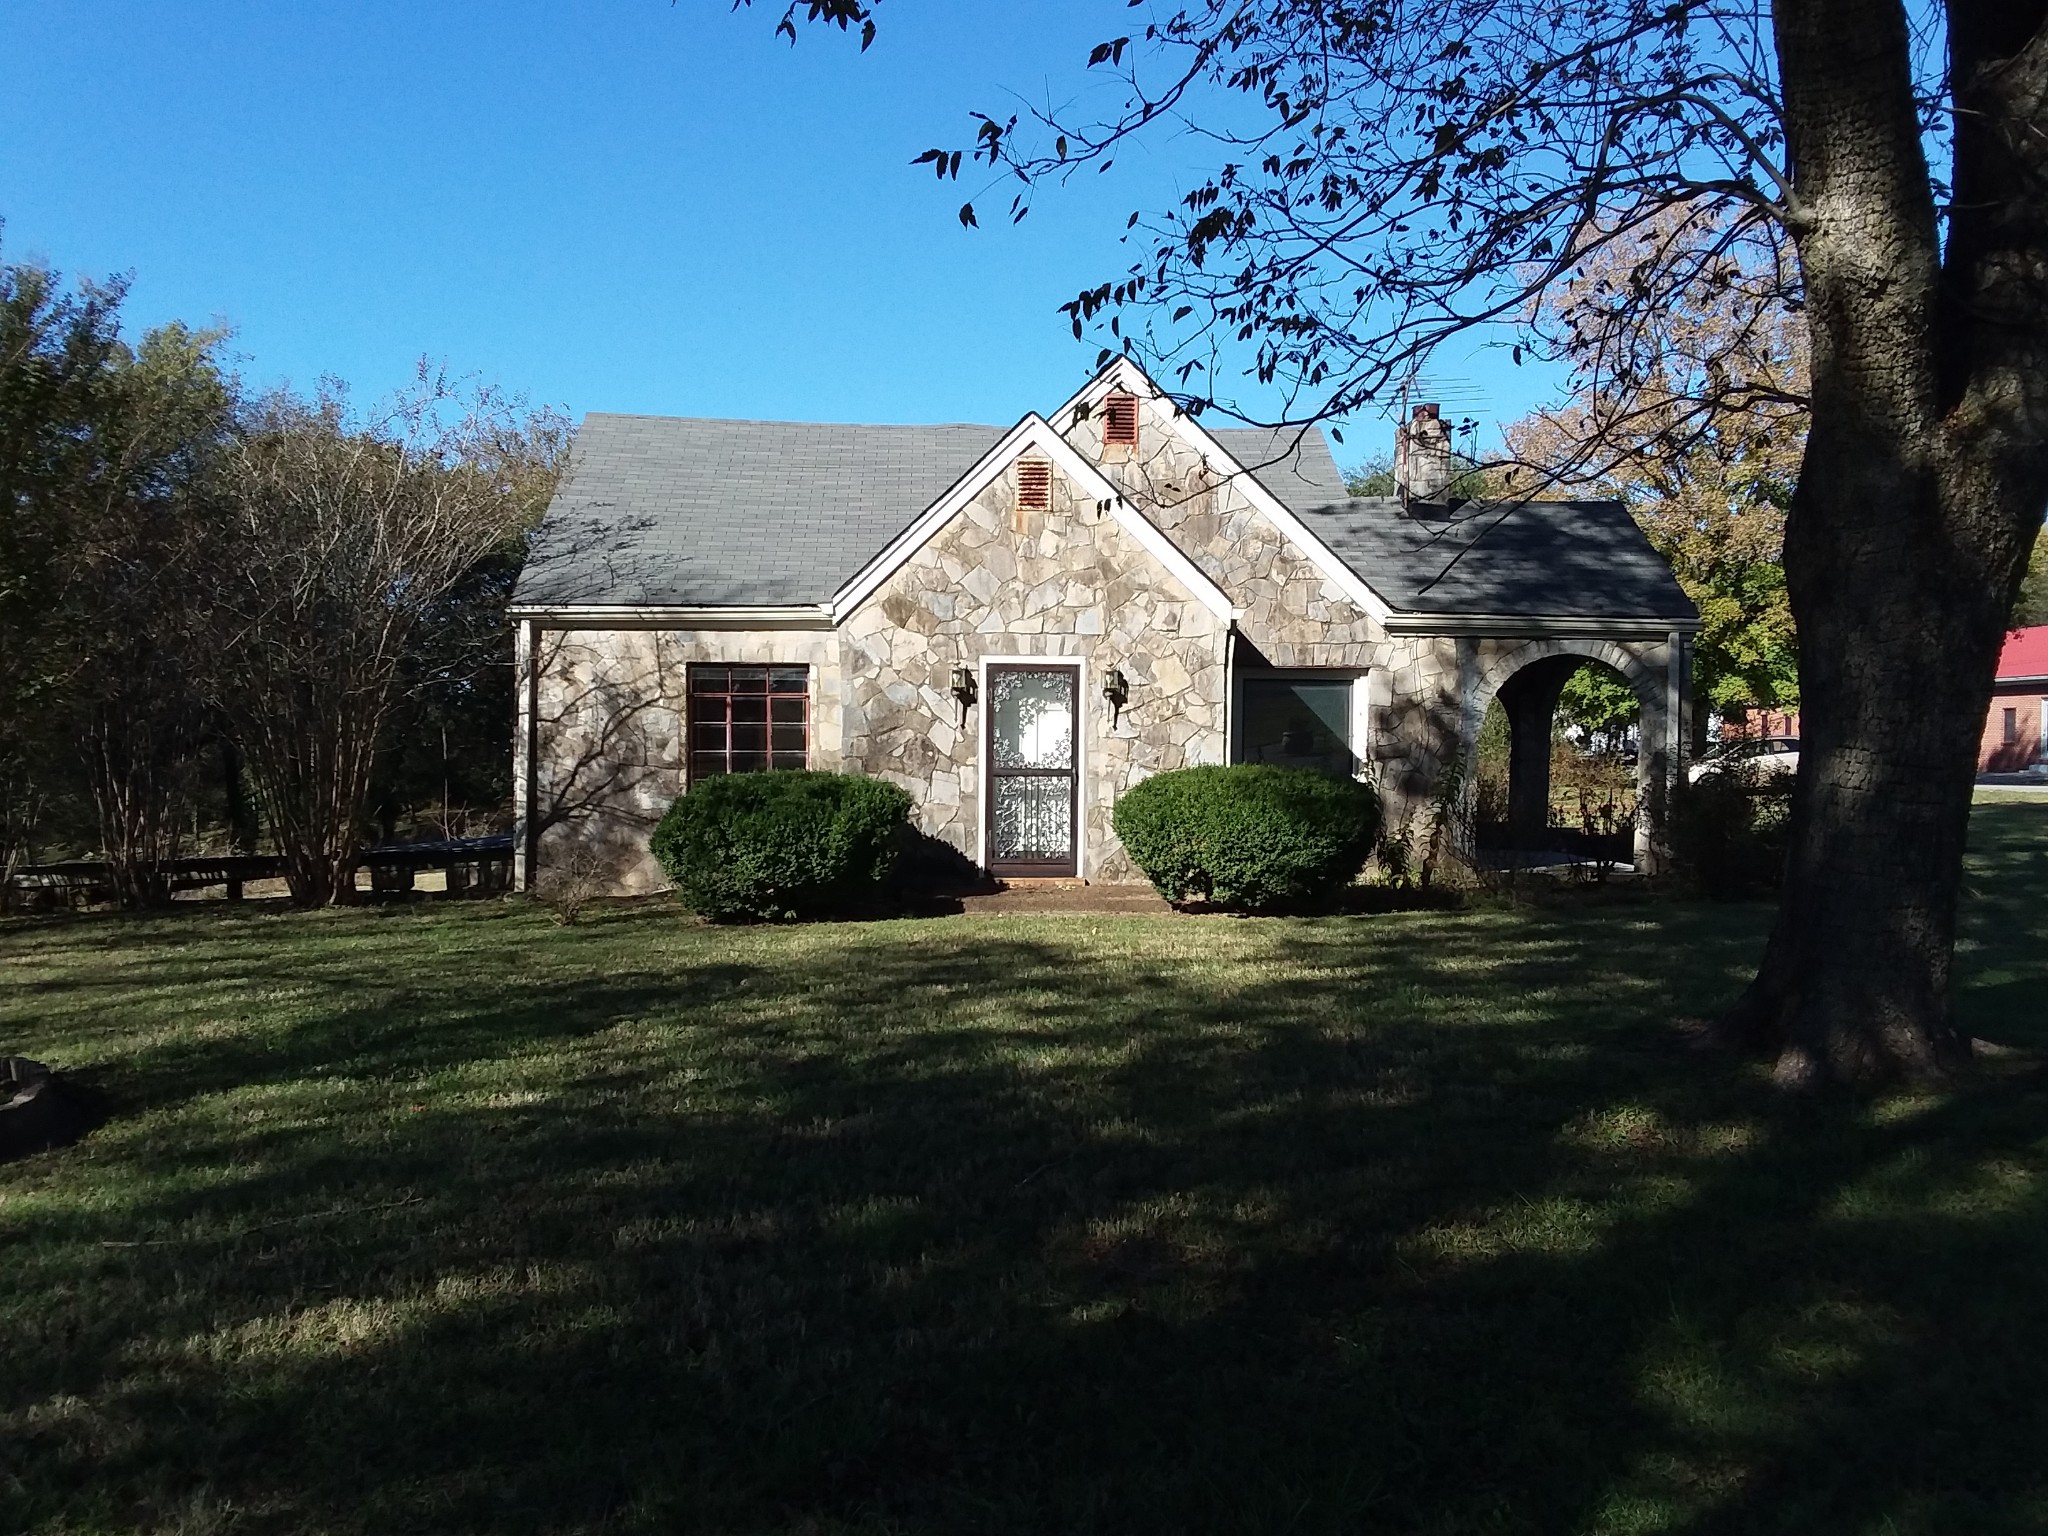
(1645, 677)
(1648, 676)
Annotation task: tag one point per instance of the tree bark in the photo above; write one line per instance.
(1925, 477)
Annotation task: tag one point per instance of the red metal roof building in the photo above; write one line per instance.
(2016, 730)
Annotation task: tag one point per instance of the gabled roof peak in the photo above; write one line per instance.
(1033, 434)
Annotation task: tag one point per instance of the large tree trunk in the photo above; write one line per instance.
(1925, 478)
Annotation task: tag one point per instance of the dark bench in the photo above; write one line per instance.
(479, 865)
(474, 865)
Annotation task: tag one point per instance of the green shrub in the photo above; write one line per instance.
(781, 845)
(1729, 831)
(1253, 837)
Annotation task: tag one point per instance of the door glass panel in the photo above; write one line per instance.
(1298, 723)
(1034, 719)
(1034, 817)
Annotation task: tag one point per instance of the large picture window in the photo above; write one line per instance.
(745, 719)
(1298, 722)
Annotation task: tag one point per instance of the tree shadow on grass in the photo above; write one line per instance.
(1423, 1226)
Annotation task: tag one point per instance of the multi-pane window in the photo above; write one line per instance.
(744, 719)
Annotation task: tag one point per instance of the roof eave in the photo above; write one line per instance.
(675, 615)
(1485, 625)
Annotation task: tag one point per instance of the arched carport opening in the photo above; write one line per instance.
(1588, 790)
(1557, 758)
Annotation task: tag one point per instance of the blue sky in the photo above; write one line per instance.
(608, 205)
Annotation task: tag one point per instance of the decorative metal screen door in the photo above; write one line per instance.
(1033, 785)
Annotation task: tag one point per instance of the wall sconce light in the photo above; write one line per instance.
(963, 692)
(1117, 690)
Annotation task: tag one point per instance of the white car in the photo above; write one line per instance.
(1767, 754)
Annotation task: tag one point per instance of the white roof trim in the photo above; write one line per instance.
(684, 615)
(1122, 373)
(1033, 432)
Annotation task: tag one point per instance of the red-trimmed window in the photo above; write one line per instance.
(745, 719)
(1120, 420)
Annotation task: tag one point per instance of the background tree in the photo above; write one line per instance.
(345, 537)
(1371, 477)
(107, 451)
(1601, 705)
(2031, 606)
(55, 348)
(1709, 488)
(1388, 174)
(184, 575)
(446, 757)
(133, 703)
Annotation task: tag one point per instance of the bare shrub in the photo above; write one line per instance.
(572, 880)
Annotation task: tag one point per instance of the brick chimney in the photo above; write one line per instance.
(1422, 456)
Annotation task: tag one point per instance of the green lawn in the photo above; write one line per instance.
(442, 1218)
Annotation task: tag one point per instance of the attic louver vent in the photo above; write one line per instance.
(1034, 484)
(1120, 420)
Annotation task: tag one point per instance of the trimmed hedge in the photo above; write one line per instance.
(781, 845)
(1253, 837)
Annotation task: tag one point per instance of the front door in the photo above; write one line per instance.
(1033, 782)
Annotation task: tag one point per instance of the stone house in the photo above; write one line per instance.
(1018, 624)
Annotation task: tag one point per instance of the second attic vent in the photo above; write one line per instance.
(1034, 485)
(1120, 420)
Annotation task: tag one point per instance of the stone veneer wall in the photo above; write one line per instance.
(608, 735)
(1294, 615)
(1005, 583)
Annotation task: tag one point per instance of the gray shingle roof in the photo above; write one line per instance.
(681, 511)
(1294, 466)
(1580, 558)
(677, 510)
